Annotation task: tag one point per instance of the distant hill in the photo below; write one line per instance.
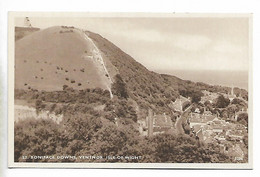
(21, 32)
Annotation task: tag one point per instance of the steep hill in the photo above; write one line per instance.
(51, 58)
(57, 56)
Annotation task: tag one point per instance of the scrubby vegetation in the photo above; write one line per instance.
(111, 131)
(81, 135)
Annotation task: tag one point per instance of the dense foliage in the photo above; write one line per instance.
(95, 125)
(119, 87)
(222, 102)
(85, 135)
(243, 119)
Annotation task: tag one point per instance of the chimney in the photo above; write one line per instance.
(150, 123)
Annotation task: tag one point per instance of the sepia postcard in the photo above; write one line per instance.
(130, 90)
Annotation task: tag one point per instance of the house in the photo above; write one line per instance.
(207, 113)
(197, 131)
(236, 152)
(155, 124)
(208, 134)
(221, 137)
(197, 110)
(217, 128)
(235, 135)
(178, 104)
(161, 123)
(197, 119)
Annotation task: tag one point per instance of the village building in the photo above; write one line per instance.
(197, 119)
(235, 135)
(155, 124)
(236, 152)
(178, 104)
(197, 110)
(162, 123)
(208, 96)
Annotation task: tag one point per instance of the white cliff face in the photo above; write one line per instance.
(24, 112)
(97, 57)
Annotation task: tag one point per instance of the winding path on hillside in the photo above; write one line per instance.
(98, 57)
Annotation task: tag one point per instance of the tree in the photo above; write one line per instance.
(243, 119)
(111, 140)
(222, 102)
(39, 105)
(183, 149)
(78, 130)
(238, 101)
(81, 126)
(123, 109)
(36, 137)
(196, 97)
(119, 87)
(245, 140)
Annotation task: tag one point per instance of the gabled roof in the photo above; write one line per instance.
(196, 128)
(202, 119)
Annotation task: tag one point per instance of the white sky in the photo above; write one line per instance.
(164, 44)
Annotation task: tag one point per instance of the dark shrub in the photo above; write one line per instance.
(119, 87)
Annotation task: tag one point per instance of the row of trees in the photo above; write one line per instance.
(67, 95)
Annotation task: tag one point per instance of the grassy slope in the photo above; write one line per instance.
(43, 58)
